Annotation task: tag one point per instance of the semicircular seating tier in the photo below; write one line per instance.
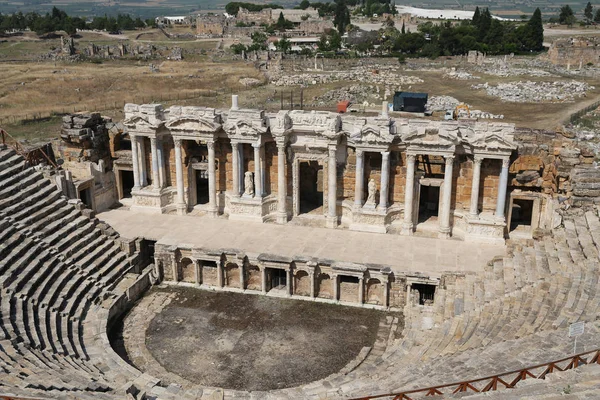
(65, 278)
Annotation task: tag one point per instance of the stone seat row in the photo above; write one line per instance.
(513, 315)
(539, 289)
(55, 266)
(520, 306)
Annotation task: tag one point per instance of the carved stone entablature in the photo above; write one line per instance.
(368, 131)
(280, 124)
(246, 124)
(323, 123)
(189, 121)
(351, 269)
(489, 139)
(431, 137)
(145, 118)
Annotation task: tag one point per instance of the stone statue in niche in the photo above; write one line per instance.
(372, 190)
(248, 184)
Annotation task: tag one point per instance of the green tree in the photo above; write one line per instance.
(534, 32)
(597, 16)
(238, 48)
(259, 41)
(304, 4)
(341, 17)
(283, 44)
(588, 12)
(476, 17)
(485, 22)
(565, 12)
(281, 19)
(403, 30)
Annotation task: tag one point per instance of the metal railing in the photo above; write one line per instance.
(33, 156)
(492, 383)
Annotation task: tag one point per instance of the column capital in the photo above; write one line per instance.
(177, 143)
(360, 152)
(449, 159)
(153, 140)
(234, 145)
(280, 142)
(505, 162)
(332, 151)
(478, 159)
(385, 154)
(257, 145)
(210, 144)
(411, 158)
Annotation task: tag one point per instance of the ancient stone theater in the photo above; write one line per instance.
(428, 258)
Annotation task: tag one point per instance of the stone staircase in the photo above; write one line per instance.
(56, 270)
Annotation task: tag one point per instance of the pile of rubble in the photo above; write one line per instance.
(533, 92)
(460, 75)
(382, 76)
(355, 94)
(443, 103)
(249, 82)
(86, 132)
(505, 70)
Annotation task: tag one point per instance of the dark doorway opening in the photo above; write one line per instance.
(522, 213)
(124, 142)
(146, 253)
(201, 187)
(85, 196)
(429, 203)
(348, 279)
(426, 293)
(277, 278)
(126, 183)
(311, 187)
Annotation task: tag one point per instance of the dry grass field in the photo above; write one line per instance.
(31, 89)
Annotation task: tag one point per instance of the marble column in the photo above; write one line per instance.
(258, 184)
(161, 164)
(473, 210)
(447, 198)
(288, 281)
(220, 280)
(198, 271)
(386, 293)
(336, 288)
(263, 171)
(332, 189)
(407, 225)
(155, 173)
(361, 290)
(242, 276)
(359, 178)
(135, 162)
(263, 280)
(502, 186)
(385, 180)
(179, 175)
(175, 269)
(142, 160)
(212, 180)
(235, 166)
(296, 185)
(281, 185)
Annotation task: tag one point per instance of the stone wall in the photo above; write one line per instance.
(575, 52)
